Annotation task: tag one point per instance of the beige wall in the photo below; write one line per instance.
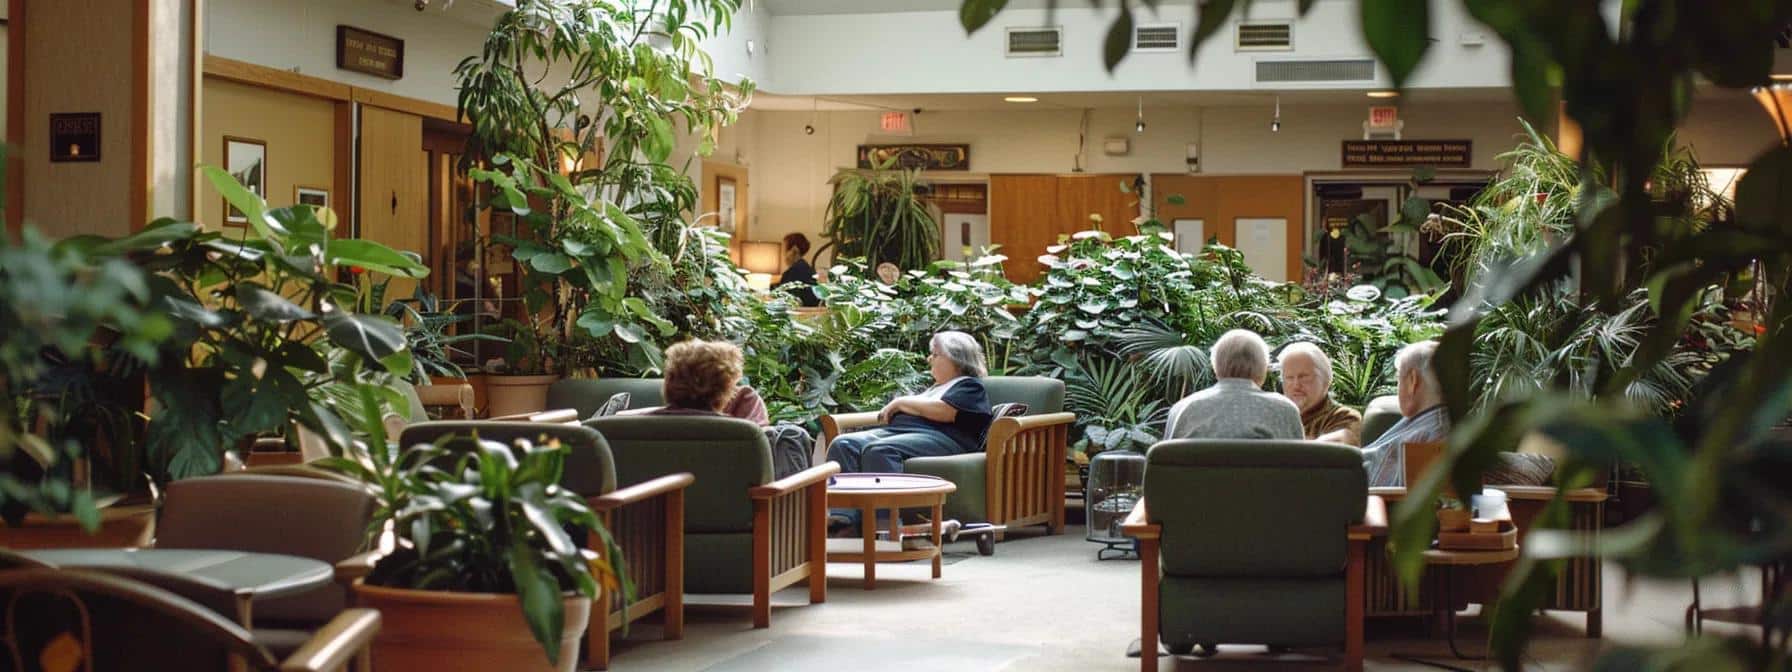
(65, 199)
(299, 131)
(1727, 129)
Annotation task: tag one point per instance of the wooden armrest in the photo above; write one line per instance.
(337, 644)
(1005, 428)
(1138, 525)
(352, 568)
(553, 417)
(1546, 493)
(816, 474)
(1390, 494)
(835, 424)
(1375, 520)
(641, 492)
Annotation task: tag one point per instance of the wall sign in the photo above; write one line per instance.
(1381, 116)
(369, 52)
(895, 122)
(930, 157)
(1401, 153)
(75, 137)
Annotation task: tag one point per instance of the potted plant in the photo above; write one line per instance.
(428, 331)
(484, 575)
(520, 384)
(881, 215)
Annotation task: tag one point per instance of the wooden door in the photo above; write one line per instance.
(394, 185)
(1222, 200)
(1023, 219)
(1081, 196)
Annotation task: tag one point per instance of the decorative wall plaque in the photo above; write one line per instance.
(75, 137)
(369, 52)
(1405, 153)
(929, 157)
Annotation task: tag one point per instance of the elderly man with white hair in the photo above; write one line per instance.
(1236, 407)
(1307, 381)
(1424, 417)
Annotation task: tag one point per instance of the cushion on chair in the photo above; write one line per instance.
(1040, 394)
(968, 504)
(587, 395)
(726, 455)
(1233, 610)
(1012, 409)
(718, 562)
(616, 404)
(1519, 469)
(590, 469)
(1378, 416)
(1254, 508)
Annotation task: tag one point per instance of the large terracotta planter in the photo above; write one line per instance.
(475, 632)
(510, 395)
(120, 527)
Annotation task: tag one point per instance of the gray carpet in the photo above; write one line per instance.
(809, 653)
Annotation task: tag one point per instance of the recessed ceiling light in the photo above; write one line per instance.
(1384, 94)
(1021, 99)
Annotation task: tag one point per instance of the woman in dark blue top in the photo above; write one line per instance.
(947, 419)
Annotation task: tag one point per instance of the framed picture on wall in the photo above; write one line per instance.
(317, 197)
(246, 159)
(725, 203)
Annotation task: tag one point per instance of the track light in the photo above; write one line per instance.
(1275, 122)
(1139, 126)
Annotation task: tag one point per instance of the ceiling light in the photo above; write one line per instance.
(1384, 94)
(1140, 126)
(1021, 99)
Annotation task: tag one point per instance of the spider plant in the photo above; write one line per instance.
(880, 215)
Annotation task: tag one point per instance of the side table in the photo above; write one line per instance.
(1444, 564)
(870, 492)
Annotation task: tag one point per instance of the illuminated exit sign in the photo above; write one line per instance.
(896, 122)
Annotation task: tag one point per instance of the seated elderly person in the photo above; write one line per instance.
(948, 418)
(703, 378)
(1424, 417)
(1236, 407)
(1307, 381)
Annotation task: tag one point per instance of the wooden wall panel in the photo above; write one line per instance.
(1082, 195)
(1024, 220)
(1222, 199)
(394, 189)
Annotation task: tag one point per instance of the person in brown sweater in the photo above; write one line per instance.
(1307, 381)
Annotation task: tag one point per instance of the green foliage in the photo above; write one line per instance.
(880, 216)
(477, 516)
(427, 332)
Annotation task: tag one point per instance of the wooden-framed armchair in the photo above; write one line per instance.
(744, 533)
(1018, 478)
(646, 519)
(1255, 542)
(106, 622)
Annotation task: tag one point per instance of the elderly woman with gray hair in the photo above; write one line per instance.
(1236, 407)
(948, 418)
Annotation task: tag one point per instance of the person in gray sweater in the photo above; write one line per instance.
(1236, 407)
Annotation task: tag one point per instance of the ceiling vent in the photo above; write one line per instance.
(1031, 42)
(1157, 37)
(1266, 36)
(1339, 70)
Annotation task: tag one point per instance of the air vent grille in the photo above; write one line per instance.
(1265, 37)
(1351, 70)
(1030, 42)
(1157, 37)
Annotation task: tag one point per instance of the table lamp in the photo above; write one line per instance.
(761, 259)
(1777, 98)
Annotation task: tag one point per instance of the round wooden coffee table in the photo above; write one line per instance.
(871, 492)
(1444, 563)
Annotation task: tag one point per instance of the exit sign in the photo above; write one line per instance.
(896, 122)
(1383, 117)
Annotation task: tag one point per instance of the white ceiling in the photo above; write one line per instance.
(1106, 99)
(791, 7)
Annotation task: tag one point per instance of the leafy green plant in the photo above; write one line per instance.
(478, 516)
(1117, 407)
(428, 332)
(880, 215)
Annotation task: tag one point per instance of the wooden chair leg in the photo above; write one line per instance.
(674, 609)
(1353, 608)
(1147, 605)
(818, 542)
(1595, 623)
(597, 635)
(762, 564)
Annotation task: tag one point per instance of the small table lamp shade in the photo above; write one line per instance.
(1777, 98)
(760, 257)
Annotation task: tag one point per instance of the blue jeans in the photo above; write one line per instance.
(882, 451)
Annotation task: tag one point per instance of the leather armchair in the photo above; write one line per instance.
(1253, 542)
(1018, 479)
(744, 532)
(645, 519)
(586, 395)
(129, 625)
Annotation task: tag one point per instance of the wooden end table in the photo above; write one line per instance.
(1445, 562)
(871, 492)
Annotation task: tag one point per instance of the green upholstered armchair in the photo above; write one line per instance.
(646, 519)
(1378, 417)
(1253, 542)
(1018, 479)
(744, 532)
(586, 395)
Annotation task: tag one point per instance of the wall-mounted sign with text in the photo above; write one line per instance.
(1404, 153)
(930, 157)
(75, 137)
(369, 52)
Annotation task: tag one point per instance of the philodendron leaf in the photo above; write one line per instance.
(252, 206)
(373, 257)
(1119, 39)
(1399, 32)
(540, 597)
(370, 336)
(263, 304)
(975, 14)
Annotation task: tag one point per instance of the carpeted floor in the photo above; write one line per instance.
(1045, 603)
